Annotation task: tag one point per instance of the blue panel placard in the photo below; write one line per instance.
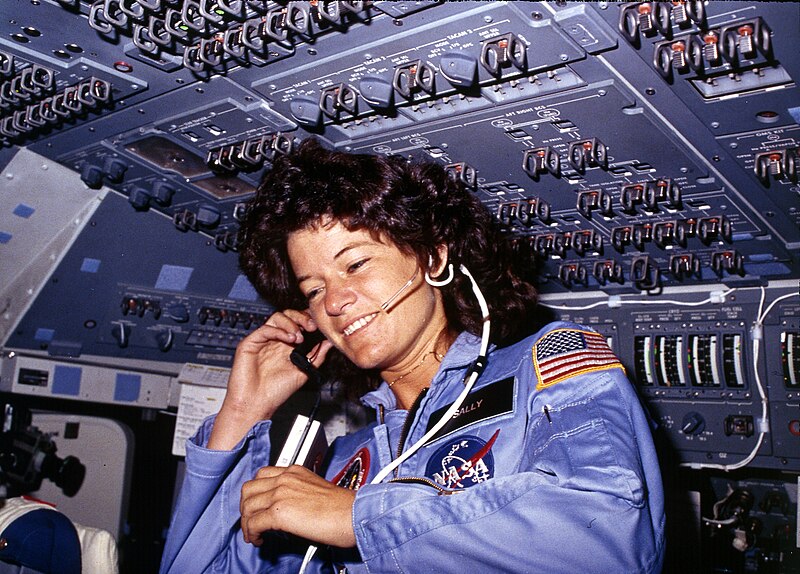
(174, 277)
(44, 335)
(767, 269)
(5, 237)
(243, 290)
(67, 380)
(23, 210)
(90, 265)
(127, 387)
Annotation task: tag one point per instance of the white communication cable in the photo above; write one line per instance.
(616, 302)
(758, 333)
(474, 372)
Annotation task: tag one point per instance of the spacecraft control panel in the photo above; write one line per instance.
(642, 159)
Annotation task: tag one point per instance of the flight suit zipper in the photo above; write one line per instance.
(426, 481)
(412, 413)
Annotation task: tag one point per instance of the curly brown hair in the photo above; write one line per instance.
(417, 206)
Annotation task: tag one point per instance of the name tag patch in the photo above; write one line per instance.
(462, 462)
(493, 400)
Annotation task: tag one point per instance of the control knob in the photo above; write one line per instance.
(693, 423)
(178, 313)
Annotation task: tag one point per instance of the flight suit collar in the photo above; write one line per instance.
(459, 356)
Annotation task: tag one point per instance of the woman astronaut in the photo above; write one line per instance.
(493, 450)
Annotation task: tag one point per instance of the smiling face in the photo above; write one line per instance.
(346, 277)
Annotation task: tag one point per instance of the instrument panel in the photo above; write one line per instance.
(640, 157)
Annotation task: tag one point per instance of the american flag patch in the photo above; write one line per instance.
(564, 353)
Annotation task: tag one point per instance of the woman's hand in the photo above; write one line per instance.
(263, 377)
(297, 501)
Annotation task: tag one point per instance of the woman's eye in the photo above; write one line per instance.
(312, 294)
(357, 265)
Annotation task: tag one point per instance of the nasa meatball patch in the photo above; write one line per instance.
(462, 462)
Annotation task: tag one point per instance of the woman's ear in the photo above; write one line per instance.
(434, 275)
(436, 268)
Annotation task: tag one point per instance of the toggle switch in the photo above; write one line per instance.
(165, 339)
(33, 116)
(711, 52)
(122, 333)
(507, 213)
(209, 9)
(185, 220)
(527, 211)
(541, 160)
(684, 265)
(233, 43)
(572, 273)
(745, 40)
(464, 173)
(711, 229)
(337, 99)
(621, 237)
(323, 11)
(276, 24)
(664, 233)
(780, 164)
(191, 16)
(227, 241)
(296, 16)
(686, 12)
(630, 197)
(143, 41)
(133, 9)
(503, 52)
(642, 233)
(644, 273)
(414, 77)
(6, 65)
(253, 34)
(594, 200)
(158, 33)
(608, 270)
(587, 240)
(588, 153)
(728, 260)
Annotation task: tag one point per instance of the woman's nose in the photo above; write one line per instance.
(338, 296)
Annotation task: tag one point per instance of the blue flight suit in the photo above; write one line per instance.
(547, 466)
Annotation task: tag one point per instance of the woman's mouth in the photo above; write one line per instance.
(358, 324)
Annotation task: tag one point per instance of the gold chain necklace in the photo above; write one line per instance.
(439, 357)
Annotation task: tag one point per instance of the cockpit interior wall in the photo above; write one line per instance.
(642, 158)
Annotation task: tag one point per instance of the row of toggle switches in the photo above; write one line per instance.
(410, 80)
(30, 103)
(138, 306)
(645, 273)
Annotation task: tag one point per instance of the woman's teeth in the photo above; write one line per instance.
(356, 325)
